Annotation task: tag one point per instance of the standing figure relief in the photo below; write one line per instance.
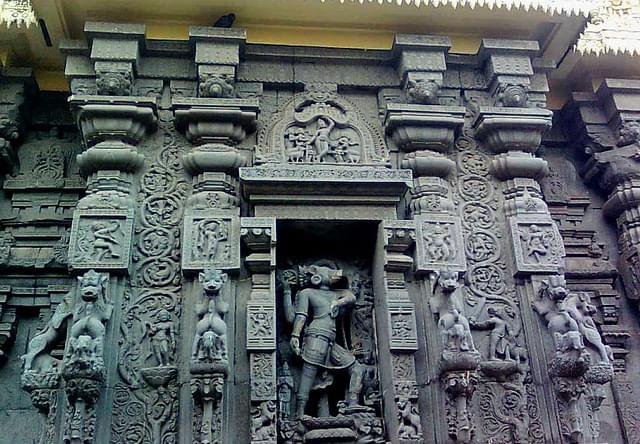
(313, 337)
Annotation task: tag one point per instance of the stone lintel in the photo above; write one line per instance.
(332, 185)
(117, 31)
(397, 114)
(201, 117)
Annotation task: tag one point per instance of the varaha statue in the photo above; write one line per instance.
(314, 317)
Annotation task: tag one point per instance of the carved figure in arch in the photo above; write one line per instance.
(579, 307)
(447, 304)
(321, 127)
(162, 336)
(210, 341)
(321, 140)
(314, 319)
(301, 150)
(502, 343)
(342, 150)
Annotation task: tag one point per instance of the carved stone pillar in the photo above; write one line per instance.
(209, 358)
(396, 317)
(101, 233)
(512, 130)
(613, 143)
(425, 131)
(259, 236)
(83, 318)
(605, 127)
(215, 123)
(15, 88)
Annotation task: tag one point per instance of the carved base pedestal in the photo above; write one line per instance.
(207, 390)
(329, 429)
(459, 387)
(80, 418)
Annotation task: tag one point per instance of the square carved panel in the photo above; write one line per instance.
(211, 239)
(101, 239)
(439, 243)
(537, 244)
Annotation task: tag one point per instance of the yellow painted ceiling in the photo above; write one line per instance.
(291, 22)
(287, 22)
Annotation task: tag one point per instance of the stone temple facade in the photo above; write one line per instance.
(210, 241)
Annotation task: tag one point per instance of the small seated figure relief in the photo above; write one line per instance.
(210, 341)
(318, 305)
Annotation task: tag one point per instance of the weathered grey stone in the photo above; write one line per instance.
(387, 206)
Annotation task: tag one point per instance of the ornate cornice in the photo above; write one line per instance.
(16, 12)
(566, 7)
(613, 28)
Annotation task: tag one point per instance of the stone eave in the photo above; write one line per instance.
(614, 31)
(559, 7)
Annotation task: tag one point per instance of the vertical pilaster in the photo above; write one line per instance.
(425, 131)
(101, 239)
(259, 236)
(396, 326)
(214, 123)
(512, 130)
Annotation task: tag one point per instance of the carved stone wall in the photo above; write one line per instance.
(223, 242)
